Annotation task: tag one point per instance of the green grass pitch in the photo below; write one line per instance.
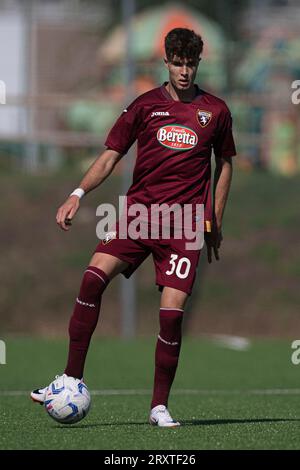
(225, 398)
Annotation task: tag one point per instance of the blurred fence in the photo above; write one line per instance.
(64, 75)
(255, 117)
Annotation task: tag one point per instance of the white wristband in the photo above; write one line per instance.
(78, 192)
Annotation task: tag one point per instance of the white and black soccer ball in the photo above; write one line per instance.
(67, 400)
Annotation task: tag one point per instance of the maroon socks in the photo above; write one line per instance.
(84, 319)
(166, 354)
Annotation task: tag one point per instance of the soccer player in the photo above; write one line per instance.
(176, 127)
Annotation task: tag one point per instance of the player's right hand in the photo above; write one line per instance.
(66, 212)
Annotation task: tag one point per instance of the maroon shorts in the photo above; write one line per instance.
(175, 266)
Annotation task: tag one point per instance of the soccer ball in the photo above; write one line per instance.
(67, 400)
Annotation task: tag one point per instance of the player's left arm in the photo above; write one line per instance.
(222, 182)
(224, 150)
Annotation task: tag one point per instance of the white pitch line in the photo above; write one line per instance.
(278, 391)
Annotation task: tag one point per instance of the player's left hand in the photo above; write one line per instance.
(213, 241)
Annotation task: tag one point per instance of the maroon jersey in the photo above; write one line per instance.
(175, 140)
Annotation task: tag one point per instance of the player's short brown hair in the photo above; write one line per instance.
(183, 43)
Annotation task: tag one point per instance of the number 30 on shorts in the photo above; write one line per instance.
(180, 266)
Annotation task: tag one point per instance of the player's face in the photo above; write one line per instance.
(182, 72)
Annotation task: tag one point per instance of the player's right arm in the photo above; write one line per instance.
(119, 140)
(96, 174)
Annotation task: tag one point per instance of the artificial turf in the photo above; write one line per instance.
(224, 398)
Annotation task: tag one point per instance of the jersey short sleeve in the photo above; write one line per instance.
(124, 132)
(223, 143)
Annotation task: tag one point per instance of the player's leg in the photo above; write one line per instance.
(110, 265)
(175, 274)
(112, 256)
(167, 353)
(173, 298)
(101, 270)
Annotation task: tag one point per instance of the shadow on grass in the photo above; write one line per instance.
(213, 422)
(194, 422)
(99, 425)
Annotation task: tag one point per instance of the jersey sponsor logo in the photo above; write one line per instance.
(160, 113)
(176, 137)
(204, 117)
(109, 237)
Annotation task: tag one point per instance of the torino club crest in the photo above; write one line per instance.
(109, 237)
(204, 117)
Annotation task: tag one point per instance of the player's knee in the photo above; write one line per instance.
(92, 285)
(173, 299)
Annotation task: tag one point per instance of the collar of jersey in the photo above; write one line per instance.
(167, 95)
